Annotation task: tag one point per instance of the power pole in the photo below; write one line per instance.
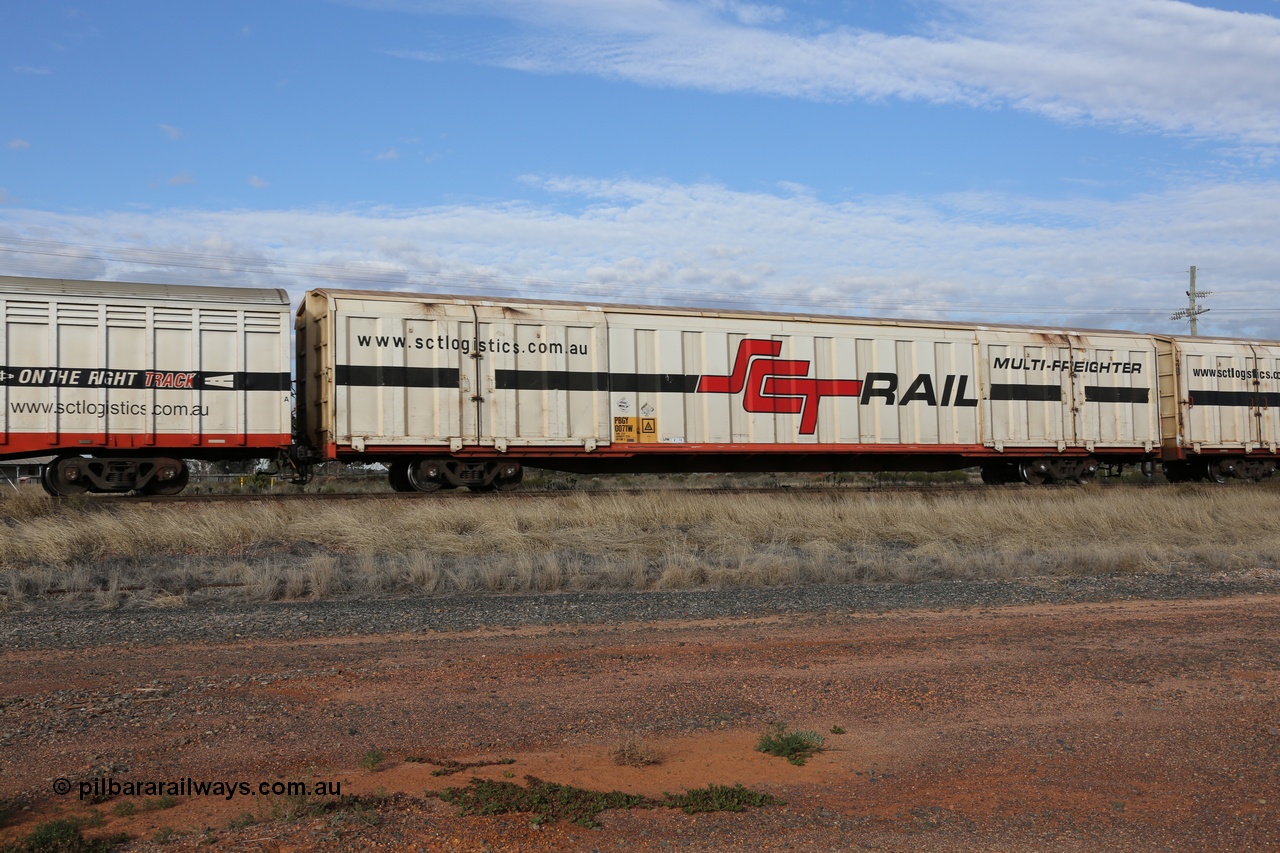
(1192, 310)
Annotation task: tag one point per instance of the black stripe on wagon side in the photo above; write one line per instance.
(396, 377)
(1236, 399)
(1108, 394)
(654, 383)
(1031, 393)
(262, 382)
(550, 380)
(568, 380)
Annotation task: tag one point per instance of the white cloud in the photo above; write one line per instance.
(257, 183)
(1151, 64)
(29, 69)
(181, 179)
(973, 257)
(389, 154)
(19, 144)
(173, 132)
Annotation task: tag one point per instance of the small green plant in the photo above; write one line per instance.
(719, 798)
(158, 804)
(371, 759)
(837, 730)
(549, 801)
(124, 808)
(62, 836)
(447, 766)
(796, 746)
(165, 834)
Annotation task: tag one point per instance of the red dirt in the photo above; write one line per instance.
(1132, 726)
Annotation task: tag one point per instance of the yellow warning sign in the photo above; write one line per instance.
(625, 430)
(635, 430)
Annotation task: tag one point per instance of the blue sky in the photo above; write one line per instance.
(1037, 162)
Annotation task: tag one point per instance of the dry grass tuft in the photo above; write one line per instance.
(634, 752)
(113, 553)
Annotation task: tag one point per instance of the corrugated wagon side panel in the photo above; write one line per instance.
(543, 376)
(102, 365)
(397, 370)
(1026, 392)
(129, 349)
(1116, 392)
(1219, 394)
(1268, 361)
(28, 346)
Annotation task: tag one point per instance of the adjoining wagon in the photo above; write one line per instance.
(122, 382)
(1219, 408)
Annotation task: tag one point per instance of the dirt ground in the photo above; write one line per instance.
(1135, 725)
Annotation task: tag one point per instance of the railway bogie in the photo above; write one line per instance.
(73, 475)
(432, 474)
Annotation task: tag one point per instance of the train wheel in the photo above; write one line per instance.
(61, 479)
(426, 475)
(509, 477)
(172, 486)
(1219, 471)
(1033, 472)
(1085, 471)
(398, 476)
(996, 473)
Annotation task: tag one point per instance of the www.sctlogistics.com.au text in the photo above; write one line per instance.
(106, 787)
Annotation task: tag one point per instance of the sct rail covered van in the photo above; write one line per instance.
(464, 391)
(121, 382)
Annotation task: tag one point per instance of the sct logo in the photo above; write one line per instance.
(777, 384)
(783, 386)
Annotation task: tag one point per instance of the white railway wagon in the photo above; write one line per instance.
(1219, 407)
(465, 391)
(124, 381)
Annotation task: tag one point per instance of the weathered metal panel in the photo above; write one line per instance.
(1218, 400)
(396, 371)
(1069, 389)
(430, 371)
(1026, 394)
(92, 365)
(1267, 359)
(542, 374)
(1115, 391)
